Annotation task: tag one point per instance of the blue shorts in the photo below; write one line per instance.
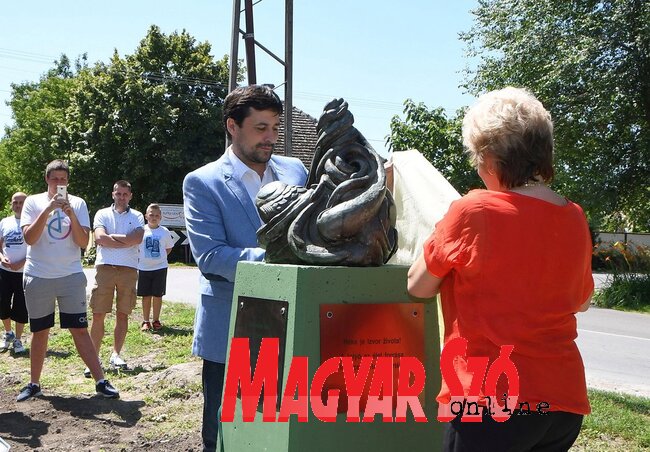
(70, 293)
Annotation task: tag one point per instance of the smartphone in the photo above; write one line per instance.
(62, 190)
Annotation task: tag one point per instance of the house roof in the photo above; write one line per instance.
(304, 136)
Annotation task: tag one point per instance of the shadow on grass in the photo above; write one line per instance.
(22, 429)
(95, 407)
(635, 405)
(135, 370)
(58, 354)
(173, 331)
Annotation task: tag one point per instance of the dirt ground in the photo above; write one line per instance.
(56, 422)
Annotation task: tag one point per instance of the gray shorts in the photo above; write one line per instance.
(70, 293)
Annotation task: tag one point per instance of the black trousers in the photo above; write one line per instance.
(552, 432)
(212, 379)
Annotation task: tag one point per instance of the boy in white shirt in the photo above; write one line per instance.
(156, 244)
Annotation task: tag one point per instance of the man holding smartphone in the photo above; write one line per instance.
(55, 229)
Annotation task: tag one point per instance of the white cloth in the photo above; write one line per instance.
(13, 243)
(114, 222)
(248, 177)
(153, 249)
(422, 197)
(54, 254)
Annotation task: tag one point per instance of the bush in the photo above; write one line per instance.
(630, 268)
(627, 291)
(621, 257)
(88, 259)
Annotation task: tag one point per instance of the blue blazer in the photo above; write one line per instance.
(222, 222)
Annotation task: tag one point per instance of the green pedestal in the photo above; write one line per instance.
(305, 289)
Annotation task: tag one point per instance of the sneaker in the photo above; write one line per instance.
(9, 338)
(87, 373)
(19, 347)
(105, 389)
(146, 326)
(157, 325)
(29, 391)
(116, 362)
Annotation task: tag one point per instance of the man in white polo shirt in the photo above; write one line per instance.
(118, 231)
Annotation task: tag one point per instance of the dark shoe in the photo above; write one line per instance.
(19, 347)
(29, 391)
(106, 389)
(156, 325)
(146, 326)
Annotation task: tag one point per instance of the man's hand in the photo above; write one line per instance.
(58, 202)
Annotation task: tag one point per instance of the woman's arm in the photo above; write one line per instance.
(421, 283)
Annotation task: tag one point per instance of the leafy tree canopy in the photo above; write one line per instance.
(439, 139)
(149, 118)
(589, 63)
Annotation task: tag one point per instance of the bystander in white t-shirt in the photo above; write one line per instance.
(153, 249)
(54, 255)
(13, 243)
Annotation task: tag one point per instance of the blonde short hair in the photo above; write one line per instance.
(153, 206)
(514, 128)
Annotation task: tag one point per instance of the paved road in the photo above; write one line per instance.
(615, 345)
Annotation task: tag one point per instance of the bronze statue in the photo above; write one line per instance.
(346, 216)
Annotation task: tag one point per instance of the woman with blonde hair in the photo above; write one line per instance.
(513, 266)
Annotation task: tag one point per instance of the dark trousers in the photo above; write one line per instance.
(213, 375)
(552, 432)
(11, 287)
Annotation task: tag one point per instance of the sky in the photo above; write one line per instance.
(373, 53)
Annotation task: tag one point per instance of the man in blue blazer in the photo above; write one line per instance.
(222, 221)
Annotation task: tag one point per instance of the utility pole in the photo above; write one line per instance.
(251, 43)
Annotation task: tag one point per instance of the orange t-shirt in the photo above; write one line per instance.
(516, 269)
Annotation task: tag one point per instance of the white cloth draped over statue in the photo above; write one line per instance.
(422, 197)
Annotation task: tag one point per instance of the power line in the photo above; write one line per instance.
(26, 56)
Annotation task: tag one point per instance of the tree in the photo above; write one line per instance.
(39, 111)
(149, 118)
(589, 63)
(439, 139)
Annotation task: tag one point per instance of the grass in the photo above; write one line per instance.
(150, 355)
(627, 292)
(617, 422)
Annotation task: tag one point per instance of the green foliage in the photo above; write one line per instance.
(589, 63)
(89, 257)
(39, 111)
(627, 291)
(621, 257)
(150, 118)
(439, 139)
(629, 265)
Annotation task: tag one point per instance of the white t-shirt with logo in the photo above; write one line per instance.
(114, 222)
(54, 254)
(153, 249)
(13, 243)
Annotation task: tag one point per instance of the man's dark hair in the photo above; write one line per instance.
(238, 103)
(122, 183)
(56, 165)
